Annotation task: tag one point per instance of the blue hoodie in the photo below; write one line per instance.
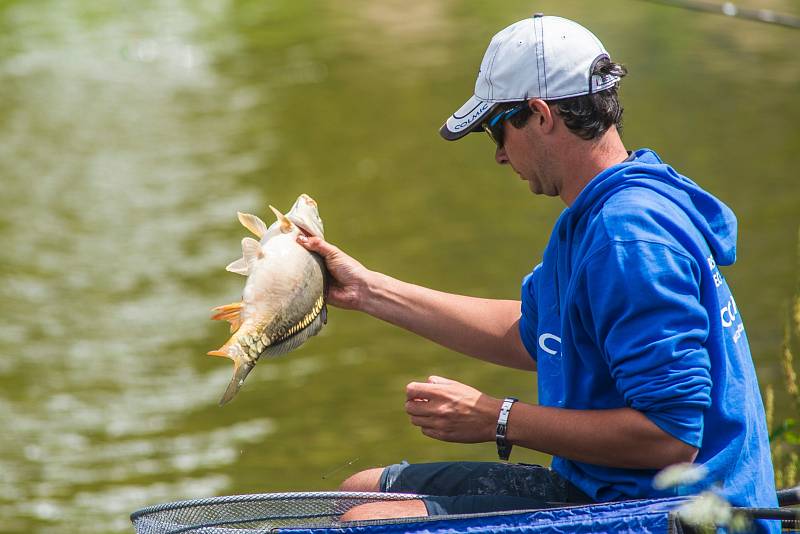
(629, 308)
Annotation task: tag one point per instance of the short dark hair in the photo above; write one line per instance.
(587, 116)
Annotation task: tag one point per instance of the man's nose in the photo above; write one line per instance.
(500, 156)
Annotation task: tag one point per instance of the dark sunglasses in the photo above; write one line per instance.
(494, 125)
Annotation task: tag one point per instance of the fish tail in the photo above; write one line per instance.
(241, 368)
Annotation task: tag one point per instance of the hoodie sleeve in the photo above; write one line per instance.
(643, 308)
(529, 319)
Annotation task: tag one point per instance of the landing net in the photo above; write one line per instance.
(241, 514)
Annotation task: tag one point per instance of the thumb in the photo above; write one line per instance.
(440, 380)
(317, 244)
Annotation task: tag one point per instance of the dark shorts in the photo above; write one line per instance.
(476, 487)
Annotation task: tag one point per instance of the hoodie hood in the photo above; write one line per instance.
(644, 168)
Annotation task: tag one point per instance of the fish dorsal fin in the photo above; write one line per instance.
(286, 224)
(251, 251)
(231, 313)
(239, 267)
(252, 223)
(241, 369)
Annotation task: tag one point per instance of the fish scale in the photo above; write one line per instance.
(283, 301)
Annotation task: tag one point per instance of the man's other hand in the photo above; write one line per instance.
(451, 411)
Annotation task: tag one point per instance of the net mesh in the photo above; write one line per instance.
(240, 514)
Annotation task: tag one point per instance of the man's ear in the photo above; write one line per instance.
(542, 114)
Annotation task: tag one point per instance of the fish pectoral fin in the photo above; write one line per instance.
(228, 308)
(239, 267)
(252, 223)
(231, 313)
(251, 251)
(241, 369)
(286, 224)
(218, 352)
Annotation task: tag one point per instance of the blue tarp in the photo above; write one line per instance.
(646, 516)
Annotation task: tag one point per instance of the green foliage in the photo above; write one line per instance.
(784, 436)
(787, 431)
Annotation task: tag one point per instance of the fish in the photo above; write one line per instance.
(283, 301)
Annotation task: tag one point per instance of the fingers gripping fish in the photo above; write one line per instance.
(283, 303)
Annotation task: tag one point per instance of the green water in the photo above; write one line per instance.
(131, 136)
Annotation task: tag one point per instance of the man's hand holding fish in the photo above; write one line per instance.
(349, 278)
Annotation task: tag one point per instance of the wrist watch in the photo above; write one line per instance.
(503, 446)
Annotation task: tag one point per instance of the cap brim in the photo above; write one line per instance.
(467, 119)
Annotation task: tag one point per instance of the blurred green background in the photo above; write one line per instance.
(133, 132)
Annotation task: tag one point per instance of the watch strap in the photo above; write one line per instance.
(503, 446)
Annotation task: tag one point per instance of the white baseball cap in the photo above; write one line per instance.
(540, 57)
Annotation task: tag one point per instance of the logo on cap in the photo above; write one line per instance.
(476, 112)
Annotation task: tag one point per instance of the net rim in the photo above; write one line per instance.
(262, 497)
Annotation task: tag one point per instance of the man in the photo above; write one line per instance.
(640, 351)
